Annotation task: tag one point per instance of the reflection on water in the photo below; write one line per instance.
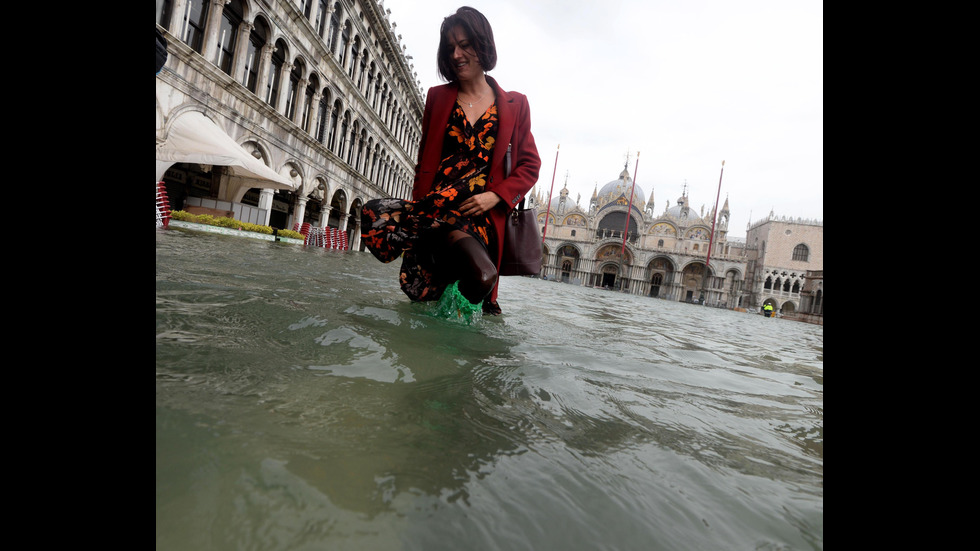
(303, 403)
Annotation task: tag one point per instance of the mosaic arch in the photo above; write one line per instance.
(569, 250)
(699, 233)
(574, 220)
(612, 253)
(663, 228)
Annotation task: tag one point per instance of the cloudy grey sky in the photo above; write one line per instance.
(686, 83)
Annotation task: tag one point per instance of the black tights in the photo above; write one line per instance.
(465, 259)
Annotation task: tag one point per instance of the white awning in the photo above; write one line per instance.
(194, 138)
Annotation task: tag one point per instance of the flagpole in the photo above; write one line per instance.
(629, 212)
(711, 238)
(548, 211)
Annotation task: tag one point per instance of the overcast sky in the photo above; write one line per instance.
(687, 84)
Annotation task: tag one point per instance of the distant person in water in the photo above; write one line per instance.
(452, 228)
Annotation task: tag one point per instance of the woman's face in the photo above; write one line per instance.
(463, 56)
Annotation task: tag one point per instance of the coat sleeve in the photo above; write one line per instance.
(525, 162)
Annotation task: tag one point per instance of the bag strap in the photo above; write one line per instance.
(520, 205)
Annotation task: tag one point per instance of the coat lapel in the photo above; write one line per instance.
(506, 116)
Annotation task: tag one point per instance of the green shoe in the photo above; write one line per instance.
(454, 305)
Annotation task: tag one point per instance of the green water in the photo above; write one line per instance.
(303, 403)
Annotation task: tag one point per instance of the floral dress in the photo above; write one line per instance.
(398, 227)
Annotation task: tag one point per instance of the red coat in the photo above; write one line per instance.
(514, 119)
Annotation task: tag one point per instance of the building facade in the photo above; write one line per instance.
(321, 92)
(785, 265)
(621, 243)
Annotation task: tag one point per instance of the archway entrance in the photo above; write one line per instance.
(655, 282)
(693, 278)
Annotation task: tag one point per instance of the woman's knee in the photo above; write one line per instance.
(477, 273)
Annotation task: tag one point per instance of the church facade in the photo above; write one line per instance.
(622, 242)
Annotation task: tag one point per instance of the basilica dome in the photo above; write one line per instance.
(621, 188)
(677, 211)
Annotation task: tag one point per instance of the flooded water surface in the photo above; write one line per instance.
(303, 403)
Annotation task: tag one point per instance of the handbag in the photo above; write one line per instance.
(522, 238)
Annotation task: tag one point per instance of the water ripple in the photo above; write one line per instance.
(303, 402)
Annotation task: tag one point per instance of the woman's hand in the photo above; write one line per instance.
(479, 204)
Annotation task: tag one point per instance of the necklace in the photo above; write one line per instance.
(477, 100)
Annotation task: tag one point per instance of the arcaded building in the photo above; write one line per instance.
(322, 94)
(785, 265)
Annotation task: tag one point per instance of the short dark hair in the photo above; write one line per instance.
(477, 28)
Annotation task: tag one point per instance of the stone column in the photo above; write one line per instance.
(287, 68)
(324, 212)
(265, 58)
(176, 22)
(300, 101)
(212, 29)
(314, 8)
(300, 211)
(265, 202)
(355, 238)
(343, 221)
(314, 119)
(238, 65)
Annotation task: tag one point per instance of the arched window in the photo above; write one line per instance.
(344, 126)
(164, 11)
(344, 45)
(334, 27)
(768, 283)
(360, 151)
(308, 106)
(374, 164)
(355, 53)
(352, 144)
(363, 69)
(321, 123)
(275, 70)
(801, 252)
(256, 41)
(332, 135)
(292, 93)
(321, 17)
(231, 21)
(193, 22)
